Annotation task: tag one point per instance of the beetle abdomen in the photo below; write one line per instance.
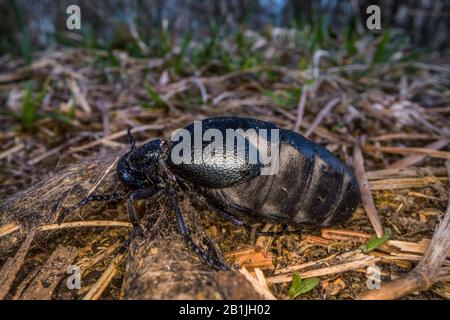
(331, 193)
(311, 187)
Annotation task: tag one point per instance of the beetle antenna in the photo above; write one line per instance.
(131, 139)
(91, 198)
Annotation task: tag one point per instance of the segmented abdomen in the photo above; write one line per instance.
(311, 187)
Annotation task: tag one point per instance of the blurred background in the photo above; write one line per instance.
(36, 25)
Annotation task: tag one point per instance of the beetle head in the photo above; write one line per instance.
(138, 167)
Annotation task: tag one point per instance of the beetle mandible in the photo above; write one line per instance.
(309, 187)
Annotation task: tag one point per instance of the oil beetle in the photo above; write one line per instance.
(304, 184)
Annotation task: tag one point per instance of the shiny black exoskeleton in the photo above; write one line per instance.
(309, 186)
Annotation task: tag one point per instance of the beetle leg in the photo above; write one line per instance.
(282, 232)
(133, 215)
(139, 195)
(226, 215)
(93, 197)
(204, 256)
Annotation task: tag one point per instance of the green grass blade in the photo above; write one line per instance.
(301, 286)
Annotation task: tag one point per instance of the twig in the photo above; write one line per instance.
(339, 268)
(11, 227)
(405, 173)
(259, 287)
(320, 131)
(366, 195)
(12, 150)
(340, 234)
(105, 173)
(116, 135)
(442, 289)
(328, 107)
(406, 246)
(202, 89)
(301, 108)
(8, 229)
(315, 239)
(79, 224)
(87, 263)
(135, 34)
(54, 150)
(426, 272)
(403, 136)
(416, 158)
(76, 91)
(410, 150)
(24, 284)
(402, 263)
(405, 183)
(97, 289)
(300, 266)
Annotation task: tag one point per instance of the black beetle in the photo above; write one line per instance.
(309, 185)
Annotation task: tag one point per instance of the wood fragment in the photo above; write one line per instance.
(341, 234)
(333, 287)
(84, 224)
(405, 264)
(174, 271)
(251, 258)
(338, 268)
(409, 257)
(25, 282)
(12, 266)
(45, 198)
(102, 283)
(424, 196)
(11, 228)
(8, 228)
(260, 287)
(410, 150)
(366, 195)
(405, 183)
(305, 265)
(417, 172)
(403, 136)
(315, 239)
(414, 247)
(414, 159)
(442, 289)
(426, 272)
(87, 263)
(266, 241)
(45, 282)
